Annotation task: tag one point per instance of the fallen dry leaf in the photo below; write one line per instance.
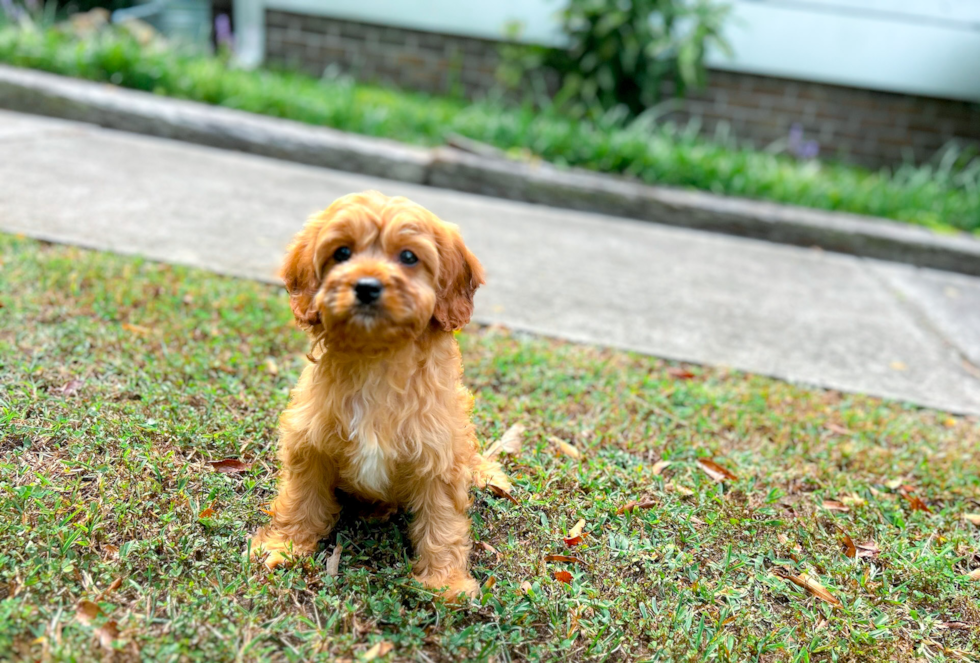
(229, 466)
(660, 466)
(379, 649)
(500, 492)
(271, 366)
(526, 587)
(510, 443)
(716, 471)
(915, 502)
(973, 518)
(564, 558)
(71, 387)
(869, 549)
(834, 505)
(107, 633)
(858, 550)
(565, 448)
(809, 584)
(487, 474)
(562, 576)
(679, 373)
(683, 491)
(838, 429)
(207, 513)
(572, 623)
(113, 586)
(490, 549)
(575, 535)
(86, 612)
(500, 480)
(974, 574)
(954, 626)
(630, 506)
(136, 329)
(333, 562)
(490, 582)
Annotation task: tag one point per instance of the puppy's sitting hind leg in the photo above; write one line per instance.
(304, 511)
(440, 533)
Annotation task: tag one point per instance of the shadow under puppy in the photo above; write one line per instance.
(380, 284)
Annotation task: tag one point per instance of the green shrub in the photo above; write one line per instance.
(624, 54)
(940, 195)
(88, 5)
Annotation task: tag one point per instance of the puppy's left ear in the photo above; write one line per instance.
(461, 274)
(299, 275)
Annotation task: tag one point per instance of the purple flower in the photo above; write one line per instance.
(801, 149)
(12, 11)
(222, 31)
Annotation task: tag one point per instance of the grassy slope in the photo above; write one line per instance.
(940, 197)
(167, 367)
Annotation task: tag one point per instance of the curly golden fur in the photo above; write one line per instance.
(381, 412)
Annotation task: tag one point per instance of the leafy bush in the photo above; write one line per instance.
(624, 53)
(939, 195)
(88, 5)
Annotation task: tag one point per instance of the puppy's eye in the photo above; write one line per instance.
(342, 254)
(407, 257)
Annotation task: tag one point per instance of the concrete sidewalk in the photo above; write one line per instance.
(802, 315)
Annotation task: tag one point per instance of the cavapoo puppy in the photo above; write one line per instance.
(380, 284)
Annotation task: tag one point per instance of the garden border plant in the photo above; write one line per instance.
(944, 195)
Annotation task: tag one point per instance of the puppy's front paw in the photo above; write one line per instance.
(488, 474)
(452, 587)
(274, 548)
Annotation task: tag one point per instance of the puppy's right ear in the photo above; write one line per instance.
(299, 274)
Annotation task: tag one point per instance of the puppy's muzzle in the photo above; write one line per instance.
(368, 290)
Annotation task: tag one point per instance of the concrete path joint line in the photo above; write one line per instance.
(921, 315)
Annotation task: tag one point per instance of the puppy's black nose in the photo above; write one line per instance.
(368, 290)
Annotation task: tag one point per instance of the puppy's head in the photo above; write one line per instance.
(371, 272)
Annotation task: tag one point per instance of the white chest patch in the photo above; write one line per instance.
(372, 472)
(368, 456)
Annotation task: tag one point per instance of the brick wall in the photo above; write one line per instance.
(857, 125)
(411, 59)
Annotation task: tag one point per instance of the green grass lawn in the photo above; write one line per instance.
(121, 378)
(944, 195)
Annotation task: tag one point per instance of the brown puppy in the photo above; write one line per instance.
(380, 284)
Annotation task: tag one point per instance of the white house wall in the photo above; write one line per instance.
(926, 47)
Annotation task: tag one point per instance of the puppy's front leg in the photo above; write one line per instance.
(441, 535)
(304, 511)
